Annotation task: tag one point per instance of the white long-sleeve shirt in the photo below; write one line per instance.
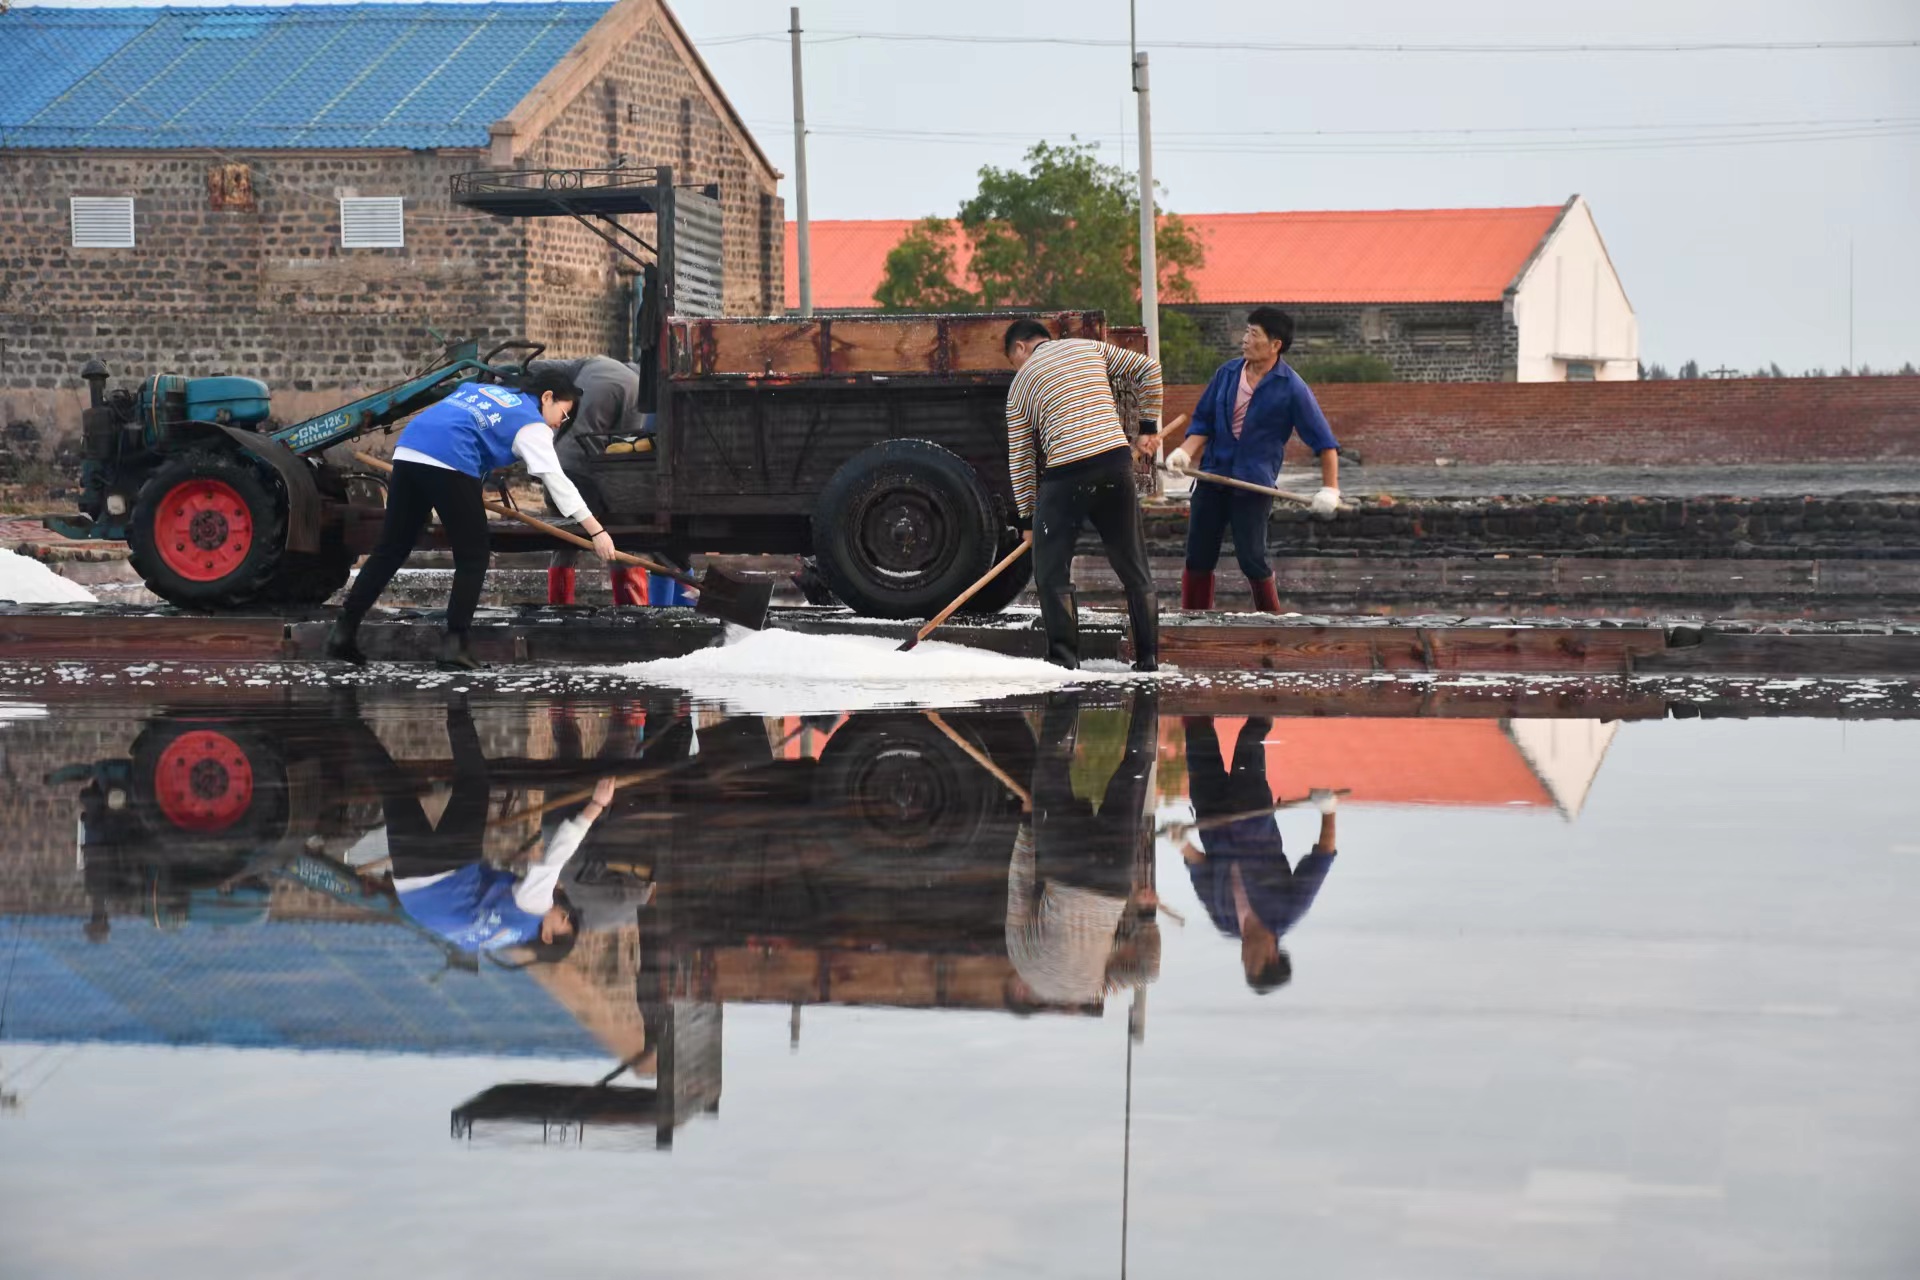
(533, 445)
(534, 893)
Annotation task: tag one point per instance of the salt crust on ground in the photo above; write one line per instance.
(27, 581)
(790, 673)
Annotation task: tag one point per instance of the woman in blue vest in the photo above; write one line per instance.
(445, 885)
(1249, 410)
(440, 467)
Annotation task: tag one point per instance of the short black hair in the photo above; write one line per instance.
(541, 381)
(1022, 329)
(1272, 975)
(1275, 323)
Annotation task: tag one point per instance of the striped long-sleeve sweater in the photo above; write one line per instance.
(1063, 399)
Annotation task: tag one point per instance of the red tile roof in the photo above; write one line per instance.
(1388, 255)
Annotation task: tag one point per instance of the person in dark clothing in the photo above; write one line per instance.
(1080, 897)
(1242, 875)
(443, 882)
(440, 467)
(1243, 421)
(1062, 422)
(608, 417)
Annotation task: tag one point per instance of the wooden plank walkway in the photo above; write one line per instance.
(1212, 642)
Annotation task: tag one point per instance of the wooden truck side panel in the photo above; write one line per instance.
(825, 346)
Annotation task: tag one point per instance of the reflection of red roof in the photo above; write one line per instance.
(1382, 255)
(1450, 762)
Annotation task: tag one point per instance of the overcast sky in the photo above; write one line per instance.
(1733, 251)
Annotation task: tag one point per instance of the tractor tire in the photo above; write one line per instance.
(208, 531)
(200, 782)
(1006, 588)
(902, 528)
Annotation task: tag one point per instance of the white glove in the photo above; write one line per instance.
(1178, 462)
(1325, 503)
(1323, 799)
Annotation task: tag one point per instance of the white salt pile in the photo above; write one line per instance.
(27, 581)
(787, 673)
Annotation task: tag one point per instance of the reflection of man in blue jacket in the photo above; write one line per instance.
(1242, 877)
(1244, 418)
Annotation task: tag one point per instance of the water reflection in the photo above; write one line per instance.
(603, 878)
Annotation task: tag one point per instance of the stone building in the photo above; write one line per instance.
(265, 191)
(1442, 295)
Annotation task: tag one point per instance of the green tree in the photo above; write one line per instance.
(1061, 234)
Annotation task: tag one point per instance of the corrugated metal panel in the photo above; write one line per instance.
(102, 222)
(373, 222)
(367, 75)
(697, 273)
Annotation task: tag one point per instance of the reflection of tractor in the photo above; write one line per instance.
(875, 443)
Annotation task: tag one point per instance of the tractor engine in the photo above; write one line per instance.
(126, 431)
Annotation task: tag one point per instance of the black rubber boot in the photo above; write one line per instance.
(343, 642)
(1061, 617)
(456, 654)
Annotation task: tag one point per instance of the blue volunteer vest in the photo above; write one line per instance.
(472, 430)
(473, 909)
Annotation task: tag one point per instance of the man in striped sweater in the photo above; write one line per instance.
(1071, 464)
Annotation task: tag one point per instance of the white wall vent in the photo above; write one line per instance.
(372, 222)
(103, 222)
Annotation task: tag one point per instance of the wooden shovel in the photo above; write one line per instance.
(722, 595)
(940, 617)
(1287, 495)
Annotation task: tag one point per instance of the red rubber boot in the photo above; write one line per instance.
(560, 585)
(629, 585)
(1196, 589)
(1266, 598)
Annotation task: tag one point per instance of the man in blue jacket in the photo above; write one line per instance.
(440, 466)
(1249, 410)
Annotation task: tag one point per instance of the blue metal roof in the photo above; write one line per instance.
(306, 985)
(364, 75)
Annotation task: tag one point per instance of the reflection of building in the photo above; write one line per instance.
(1490, 763)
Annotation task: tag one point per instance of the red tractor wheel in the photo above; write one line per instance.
(203, 782)
(208, 531)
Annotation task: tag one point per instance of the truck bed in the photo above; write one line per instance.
(966, 345)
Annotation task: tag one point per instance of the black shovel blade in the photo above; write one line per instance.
(734, 600)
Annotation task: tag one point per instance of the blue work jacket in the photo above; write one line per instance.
(472, 430)
(1282, 407)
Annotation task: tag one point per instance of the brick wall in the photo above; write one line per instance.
(259, 284)
(1428, 342)
(1739, 420)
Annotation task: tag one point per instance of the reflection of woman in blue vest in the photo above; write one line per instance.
(442, 881)
(440, 467)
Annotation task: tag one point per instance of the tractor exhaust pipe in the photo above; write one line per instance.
(95, 375)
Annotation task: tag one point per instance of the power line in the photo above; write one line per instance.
(831, 36)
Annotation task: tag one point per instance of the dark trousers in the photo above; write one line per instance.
(416, 846)
(415, 492)
(1106, 849)
(1100, 491)
(1213, 509)
(1215, 792)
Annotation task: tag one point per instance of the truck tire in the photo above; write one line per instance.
(208, 531)
(904, 795)
(1006, 588)
(902, 528)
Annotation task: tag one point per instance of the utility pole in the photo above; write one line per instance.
(1149, 257)
(1849, 304)
(804, 238)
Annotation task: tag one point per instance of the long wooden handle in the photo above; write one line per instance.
(981, 758)
(940, 617)
(1231, 483)
(554, 531)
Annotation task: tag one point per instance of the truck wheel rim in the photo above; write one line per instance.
(903, 536)
(203, 781)
(203, 529)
